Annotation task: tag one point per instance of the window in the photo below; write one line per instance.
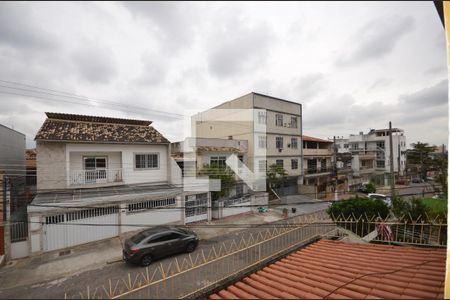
(218, 161)
(279, 120)
(151, 204)
(262, 165)
(346, 146)
(146, 161)
(338, 146)
(294, 164)
(312, 166)
(279, 142)
(164, 237)
(380, 163)
(262, 141)
(279, 163)
(323, 165)
(262, 117)
(380, 145)
(294, 122)
(294, 143)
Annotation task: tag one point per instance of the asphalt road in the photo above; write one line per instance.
(73, 284)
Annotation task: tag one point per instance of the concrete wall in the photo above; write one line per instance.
(51, 167)
(12, 151)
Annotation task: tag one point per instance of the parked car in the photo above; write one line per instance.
(158, 242)
(385, 198)
(417, 180)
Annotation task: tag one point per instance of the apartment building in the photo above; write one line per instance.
(371, 152)
(318, 165)
(273, 131)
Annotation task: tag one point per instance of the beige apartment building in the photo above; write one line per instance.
(273, 131)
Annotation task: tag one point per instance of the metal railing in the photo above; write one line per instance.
(406, 230)
(19, 231)
(203, 270)
(83, 177)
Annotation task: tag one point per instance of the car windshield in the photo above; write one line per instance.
(138, 238)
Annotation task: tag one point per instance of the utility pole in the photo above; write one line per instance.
(391, 154)
(335, 169)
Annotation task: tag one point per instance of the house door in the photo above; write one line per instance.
(95, 169)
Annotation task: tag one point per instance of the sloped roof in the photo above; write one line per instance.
(314, 139)
(94, 129)
(335, 269)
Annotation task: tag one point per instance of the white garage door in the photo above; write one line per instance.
(80, 227)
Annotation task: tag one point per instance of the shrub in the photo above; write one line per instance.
(409, 210)
(370, 188)
(358, 207)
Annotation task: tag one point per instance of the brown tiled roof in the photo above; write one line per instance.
(333, 269)
(314, 139)
(93, 129)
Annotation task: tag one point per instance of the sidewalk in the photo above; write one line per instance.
(52, 266)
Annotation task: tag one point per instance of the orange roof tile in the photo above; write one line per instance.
(314, 139)
(338, 270)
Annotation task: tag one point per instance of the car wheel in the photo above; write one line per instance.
(190, 247)
(146, 260)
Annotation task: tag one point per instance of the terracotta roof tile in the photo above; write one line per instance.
(336, 267)
(92, 129)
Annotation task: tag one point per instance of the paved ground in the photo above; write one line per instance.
(416, 190)
(48, 276)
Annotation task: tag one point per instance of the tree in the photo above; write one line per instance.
(275, 175)
(420, 157)
(226, 176)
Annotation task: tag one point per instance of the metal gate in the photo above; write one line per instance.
(80, 227)
(196, 208)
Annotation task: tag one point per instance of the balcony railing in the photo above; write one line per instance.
(86, 177)
(318, 170)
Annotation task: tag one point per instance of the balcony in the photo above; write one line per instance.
(318, 152)
(318, 171)
(94, 177)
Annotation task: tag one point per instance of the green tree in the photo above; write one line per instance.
(226, 176)
(419, 156)
(275, 175)
(409, 210)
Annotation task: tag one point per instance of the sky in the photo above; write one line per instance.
(352, 65)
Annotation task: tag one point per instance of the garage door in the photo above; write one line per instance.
(80, 227)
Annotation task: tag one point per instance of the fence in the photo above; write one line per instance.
(19, 231)
(204, 270)
(432, 232)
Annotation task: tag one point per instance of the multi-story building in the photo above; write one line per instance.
(102, 170)
(318, 168)
(274, 133)
(371, 152)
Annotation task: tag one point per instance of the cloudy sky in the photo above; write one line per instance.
(353, 66)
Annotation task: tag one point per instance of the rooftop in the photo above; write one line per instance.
(88, 197)
(314, 139)
(94, 129)
(335, 269)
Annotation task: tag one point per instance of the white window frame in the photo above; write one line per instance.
(292, 162)
(146, 167)
(262, 117)
(282, 163)
(218, 158)
(262, 141)
(262, 165)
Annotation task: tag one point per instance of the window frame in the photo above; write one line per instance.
(262, 139)
(218, 158)
(292, 143)
(279, 165)
(292, 163)
(296, 122)
(146, 154)
(279, 138)
(278, 117)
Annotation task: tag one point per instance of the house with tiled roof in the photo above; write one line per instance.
(102, 170)
(330, 269)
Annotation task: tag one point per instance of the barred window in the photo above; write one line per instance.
(196, 205)
(151, 204)
(262, 165)
(147, 161)
(294, 164)
(279, 163)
